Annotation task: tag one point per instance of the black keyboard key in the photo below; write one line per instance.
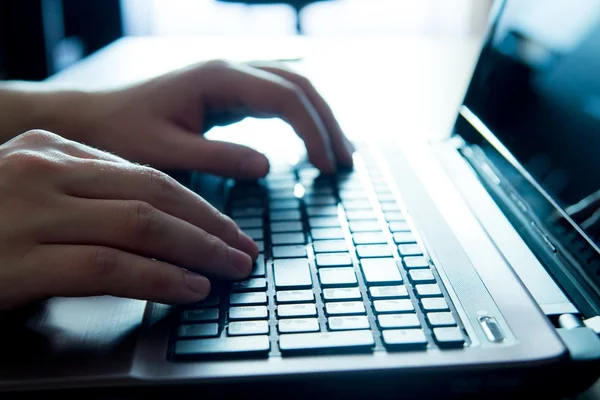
(421, 276)
(390, 207)
(255, 298)
(448, 337)
(333, 259)
(353, 194)
(295, 296)
(287, 204)
(249, 285)
(204, 314)
(357, 205)
(258, 345)
(388, 292)
(323, 222)
(387, 321)
(326, 233)
(369, 238)
(393, 306)
(320, 200)
(288, 238)
(398, 339)
(292, 273)
(345, 308)
(332, 277)
(210, 301)
(296, 310)
(254, 233)
(399, 226)
(404, 237)
(380, 271)
(259, 267)
(365, 226)
(394, 216)
(410, 249)
(322, 211)
(282, 194)
(248, 312)
(247, 202)
(434, 304)
(360, 215)
(343, 340)
(285, 215)
(286, 226)
(386, 197)
(198, 330)
(240, 328)
(350, 293)
(297, 325)
(428, 290)
(289, 251)
(245, 223)
(348, 323)
(261, 245)
(441, 319)
(415, 262)
(246, 212)
(330, 246)
(374, 250)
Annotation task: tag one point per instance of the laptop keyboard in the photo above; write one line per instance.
(340, 269)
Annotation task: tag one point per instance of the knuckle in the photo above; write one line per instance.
(225, 227)
(29, 162)
(301, 81)
(163, 183)
(104, 262)
(215, 248)
(216, 65)
(38, 136)
(147, 221)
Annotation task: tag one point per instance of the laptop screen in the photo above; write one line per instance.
(536, 87)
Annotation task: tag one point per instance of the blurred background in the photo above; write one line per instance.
(39, 38)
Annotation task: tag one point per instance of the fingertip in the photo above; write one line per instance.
(198, 284)
(253, 166)
(247, 245)
(241, 261)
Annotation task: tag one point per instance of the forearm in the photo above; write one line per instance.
(25, 106)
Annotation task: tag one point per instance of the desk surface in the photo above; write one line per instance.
(409, 86)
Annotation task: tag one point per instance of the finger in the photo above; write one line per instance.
(94, 179)
(139, 228)
(342, 147)
(71, 270)
(265, 94)
(585, 208)
(226, 159)
(592, 224)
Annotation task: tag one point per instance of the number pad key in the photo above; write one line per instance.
(297, 325)
(344, 276)
(296, 310)
(393, 306)
(250, 312)
(345, 308)
(248, 328)
(348, 323)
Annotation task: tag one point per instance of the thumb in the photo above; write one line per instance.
(226, 159)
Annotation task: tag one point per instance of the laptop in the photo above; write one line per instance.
(464, 266)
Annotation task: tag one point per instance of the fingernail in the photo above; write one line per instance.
(197, 283)
(240, 260)
(254, 166)
(247, 245)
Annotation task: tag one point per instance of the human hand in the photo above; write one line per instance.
(158, 122)
(586, 213)
(76, 221)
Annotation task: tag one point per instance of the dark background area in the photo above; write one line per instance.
(38, 37)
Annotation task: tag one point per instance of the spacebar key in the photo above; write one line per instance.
(334, 341)
(241, 346)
